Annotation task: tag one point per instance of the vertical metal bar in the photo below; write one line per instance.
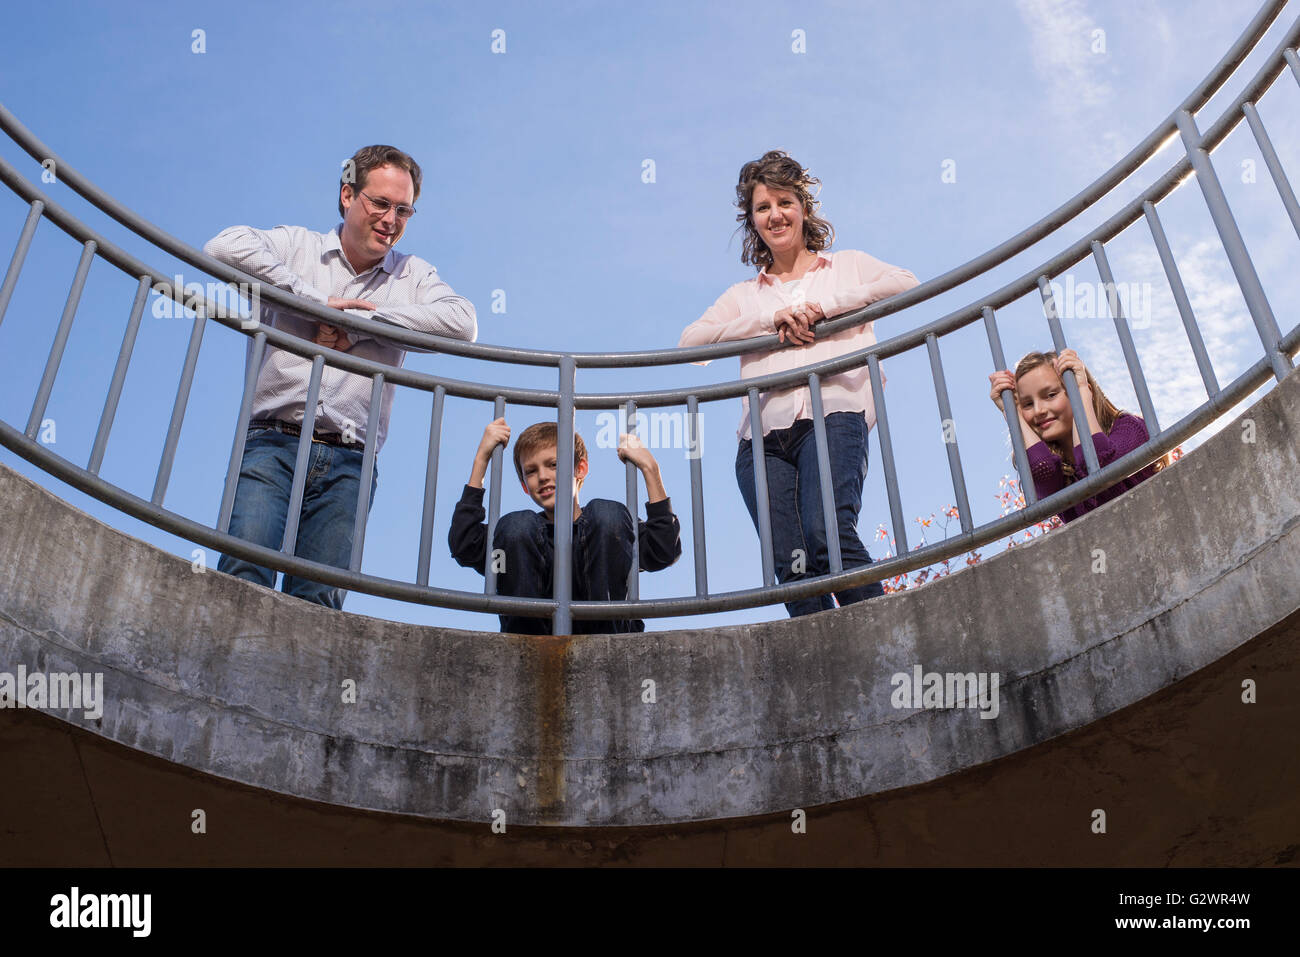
(696, 451)
(1009, 410)
(1184, 304)
(887, 456)
(760, 489)
(830, 516)
(1274, 165)
(495, 482)
(1070, 382)
(562, 624)
(178, 407)
(949, 433)
(256, 349)
(60, 339)
(634, 574)
(304, 450)
(1125, 339)
(367, 473)
(430, 486)
(20, 255)
(1292, 61)
(1252, 290)
(119, 377)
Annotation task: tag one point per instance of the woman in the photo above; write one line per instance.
(799, 283)
(1050, 432)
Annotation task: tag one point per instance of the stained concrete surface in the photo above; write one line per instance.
(1191, 776)
(225, 678)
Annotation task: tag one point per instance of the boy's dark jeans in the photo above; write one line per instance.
(602, 560)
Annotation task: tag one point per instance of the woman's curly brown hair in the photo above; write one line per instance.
(777, 170)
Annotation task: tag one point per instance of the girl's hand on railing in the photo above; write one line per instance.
(1000, 381)
(1069, 359)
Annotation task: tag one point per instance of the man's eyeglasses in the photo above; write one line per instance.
(380, 207)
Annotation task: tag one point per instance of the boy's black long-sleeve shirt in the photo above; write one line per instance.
(660, 535)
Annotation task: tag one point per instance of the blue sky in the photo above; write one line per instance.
(533, 185)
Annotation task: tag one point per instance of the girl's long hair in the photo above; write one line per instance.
(1105, 410)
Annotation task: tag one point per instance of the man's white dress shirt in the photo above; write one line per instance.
(405, 289)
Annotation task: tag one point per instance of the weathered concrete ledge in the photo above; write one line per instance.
(246, 684)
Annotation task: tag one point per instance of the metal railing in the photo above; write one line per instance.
(1274, 362)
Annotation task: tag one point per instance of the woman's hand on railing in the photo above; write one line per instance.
(794, 323)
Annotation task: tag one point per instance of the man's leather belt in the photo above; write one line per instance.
(288, 428)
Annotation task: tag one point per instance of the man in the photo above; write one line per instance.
(352, 267)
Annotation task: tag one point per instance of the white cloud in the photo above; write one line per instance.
(1062, 38)
(1088, 110)
(1167, 360)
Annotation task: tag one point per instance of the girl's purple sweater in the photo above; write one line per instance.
(1126, 434)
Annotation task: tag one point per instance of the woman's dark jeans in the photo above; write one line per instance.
(794, 495)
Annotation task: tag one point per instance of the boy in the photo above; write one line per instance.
(602, 531)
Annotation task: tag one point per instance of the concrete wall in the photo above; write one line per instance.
(1189, 777)
(233, 680)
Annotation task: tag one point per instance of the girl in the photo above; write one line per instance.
(798, 284)
(1051, 434)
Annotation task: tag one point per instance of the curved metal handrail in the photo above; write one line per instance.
(188, 529)
(994, 257)
(1231, 117)
(1276, 347)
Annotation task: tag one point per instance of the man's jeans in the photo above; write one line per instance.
(795, 501)
(329, 504)
(602, 559)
